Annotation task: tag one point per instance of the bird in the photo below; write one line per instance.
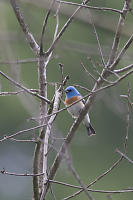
(72, 95)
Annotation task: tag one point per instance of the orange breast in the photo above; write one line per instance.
(72, 100)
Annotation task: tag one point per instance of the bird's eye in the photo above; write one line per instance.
(68, 90)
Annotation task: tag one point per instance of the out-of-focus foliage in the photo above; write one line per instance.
(91, 156)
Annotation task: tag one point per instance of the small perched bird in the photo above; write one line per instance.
(73, 95)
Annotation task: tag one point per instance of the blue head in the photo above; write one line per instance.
(71, 92)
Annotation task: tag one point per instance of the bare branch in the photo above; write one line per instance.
(82, 87)
(38, 148)
(24, 88)
(76, 176)
(105, 73)
(43, 61)
(103, 191)
(88, 72)
(61, 70)
(97, 39)
(65, 27)
(15, 93)
(101, 76)
(44, 26)
(6, 137)
(127, 119)
(16, 174)
(122, 52)
(120, 25)
(124, 156)
(57, 21)
(10, 93)
(58, 95)
(34, 46)
(113, 72)
(52, 193)
(89, 189)
(124, 69)
(91, 7)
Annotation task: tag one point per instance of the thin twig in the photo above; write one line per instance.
(88, 72)
(118, 32)
(65, 27)
(99, 74)
(127, 119)
(91, 7)
(16, 174)
(113, 72)
(6, 137)
(15, 93)
(124, 69)
(97, 39)
(122, 52)
(124, 156)
(61, 70)
(89, 189)
(76, 176)
(52, 193)
(82, 87)
(44, 26)
(10, 93)
(24, 88)
(57, 21)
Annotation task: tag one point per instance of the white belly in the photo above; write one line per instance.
(76, 109)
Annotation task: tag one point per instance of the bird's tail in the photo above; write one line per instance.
(90, 130)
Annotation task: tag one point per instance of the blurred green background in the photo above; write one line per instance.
(91, 156)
